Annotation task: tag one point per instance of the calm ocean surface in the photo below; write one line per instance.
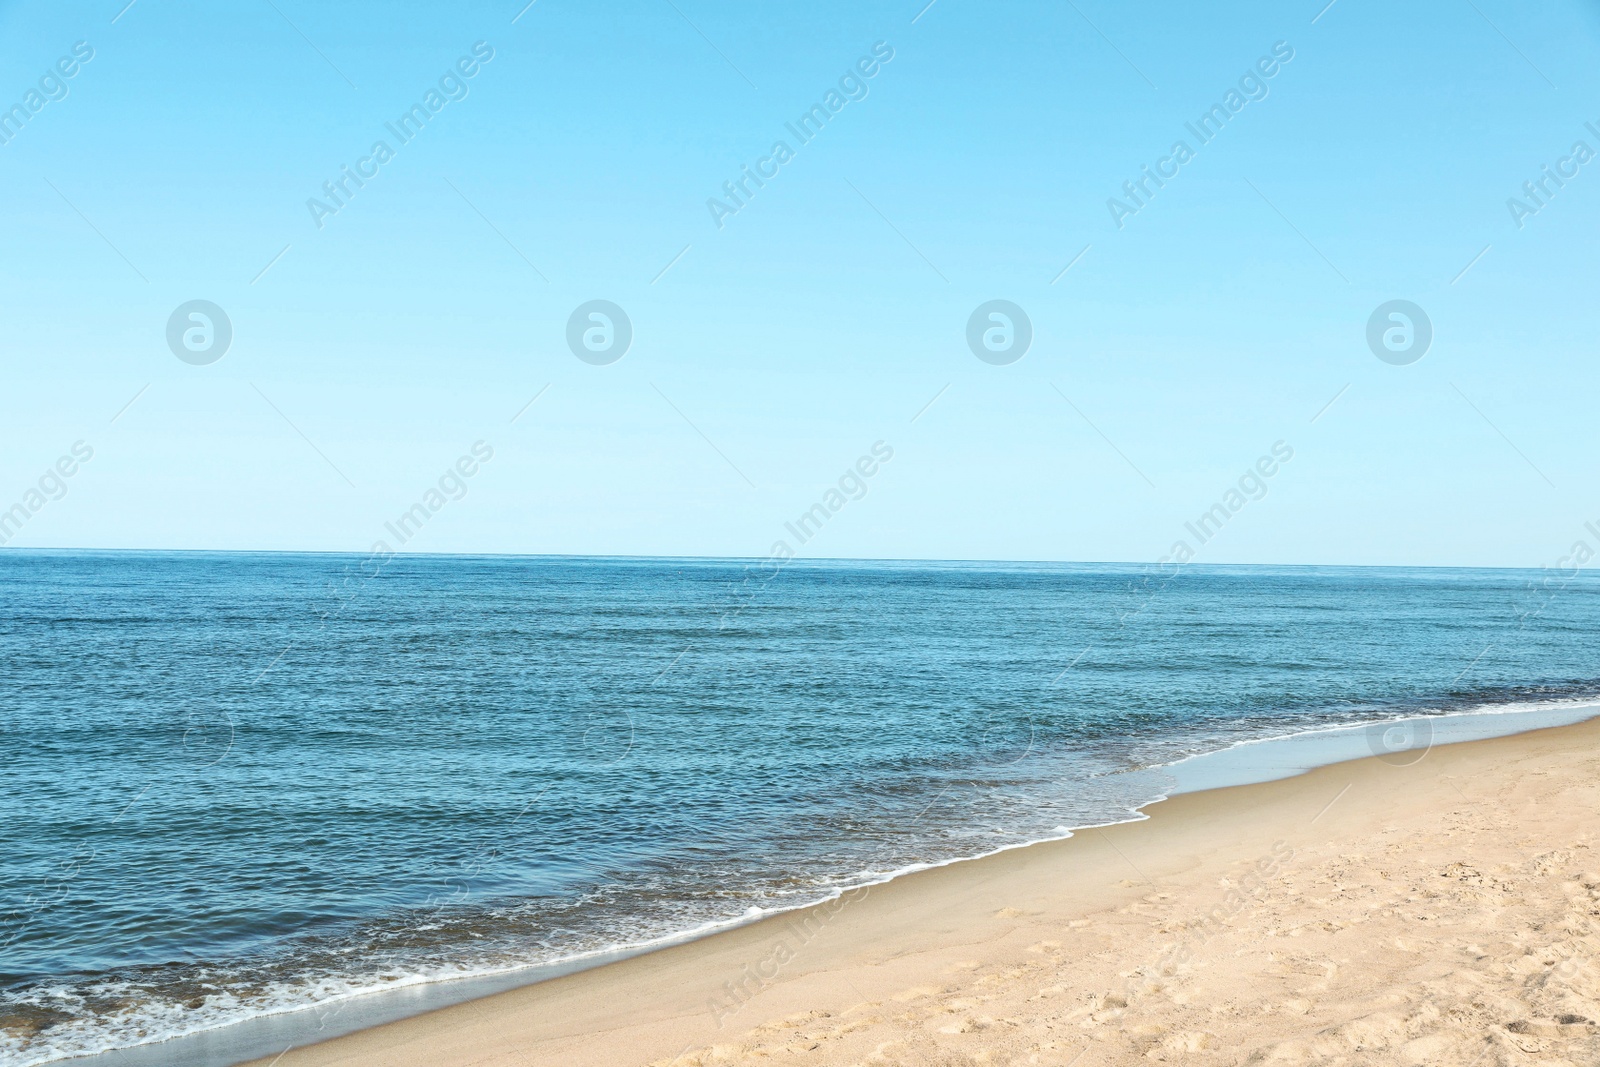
(236, 783)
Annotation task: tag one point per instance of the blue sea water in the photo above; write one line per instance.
(232, 784)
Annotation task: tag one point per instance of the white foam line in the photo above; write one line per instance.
(1410, 716)
(614, 952)
(755, 914)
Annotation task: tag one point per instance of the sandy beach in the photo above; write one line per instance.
(1444, 912)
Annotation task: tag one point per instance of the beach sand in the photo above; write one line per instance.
(1442, 913)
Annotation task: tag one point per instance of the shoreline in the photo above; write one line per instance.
(360, 1014)
(850, 958)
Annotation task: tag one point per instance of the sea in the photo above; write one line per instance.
(250, 799)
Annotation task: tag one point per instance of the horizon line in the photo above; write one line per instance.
(752, 559)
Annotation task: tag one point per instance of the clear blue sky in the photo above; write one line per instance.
(825, 315)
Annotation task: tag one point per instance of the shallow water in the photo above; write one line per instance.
(235, 784)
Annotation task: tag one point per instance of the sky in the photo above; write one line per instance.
(968, 153)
